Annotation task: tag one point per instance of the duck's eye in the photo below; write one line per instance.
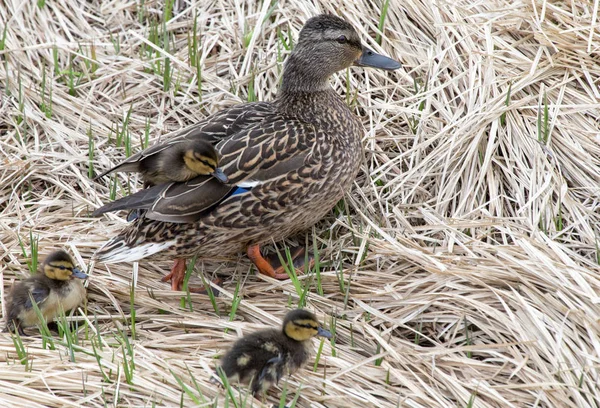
(342, 39)
(62, 268)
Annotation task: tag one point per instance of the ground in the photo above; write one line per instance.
(462, 269)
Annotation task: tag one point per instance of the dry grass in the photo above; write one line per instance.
(469, 249)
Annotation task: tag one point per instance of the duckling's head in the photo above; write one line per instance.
(328, 44)
(302, 325)
(59, 266)
(201, 158)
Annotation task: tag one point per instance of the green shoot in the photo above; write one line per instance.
(471, 402)
(227, 386)
(64, 331)
(105, 377)
(468, 340)
(318, 356)
(251, 91)
(55, 59)
(317, 261)
(3, 39)
(333, 330)
(132, 309)
(47, 339)
(379, 360)
(339, 274)
(128, 363)
(116, 42)
(32, 263)
(168, 10)
(382, 17)
(187, 390)
(506, 103)
(46, 95)
(419, 333)
(542, 122)
(141, 11)
(247, 36)
(146, 139)
(211, 295)
(293, 403)
(558, 220)
(187, 300)
(113, 188)
(20, 348)
(234, 303)
(90, 151)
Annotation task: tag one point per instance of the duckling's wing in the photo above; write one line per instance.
(39, 294)
(212, 129)
(272, 371)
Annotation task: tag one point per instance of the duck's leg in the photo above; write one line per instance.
(177, 276)
(21, 331)
(272, 266)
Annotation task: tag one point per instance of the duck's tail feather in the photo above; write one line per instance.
(117, 250)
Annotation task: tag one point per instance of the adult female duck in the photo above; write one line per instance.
(287, 163)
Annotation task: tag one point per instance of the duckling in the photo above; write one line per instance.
(178, 161)
(263, 357)
(51, 290)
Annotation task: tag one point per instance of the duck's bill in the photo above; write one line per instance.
(219, 175)
(78, 274)
(370, 58)
(324, 333)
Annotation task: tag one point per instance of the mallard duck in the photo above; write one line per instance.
(288, 163)
(263, 357)
(52, 289)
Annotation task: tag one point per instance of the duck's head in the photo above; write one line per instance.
(202, 158)
(59, 266)
(302, 325)
(328, 44)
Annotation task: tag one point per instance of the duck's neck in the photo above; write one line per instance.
(303, 76)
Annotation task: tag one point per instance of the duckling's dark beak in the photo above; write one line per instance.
(370, 58)
(78, 274)
(219, 175)
(324, 333)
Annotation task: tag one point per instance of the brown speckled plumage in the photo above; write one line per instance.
(294, 157)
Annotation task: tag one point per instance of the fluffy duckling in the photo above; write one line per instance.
(51, 290)
(262, 358)
(173, 162)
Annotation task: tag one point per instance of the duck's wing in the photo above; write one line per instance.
(173, 202)
(253, 157)
(212, 129)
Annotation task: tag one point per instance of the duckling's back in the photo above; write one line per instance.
(262, 358)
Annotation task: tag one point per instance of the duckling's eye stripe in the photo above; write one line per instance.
(61, 267)
(206, 163)
(308, 326)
